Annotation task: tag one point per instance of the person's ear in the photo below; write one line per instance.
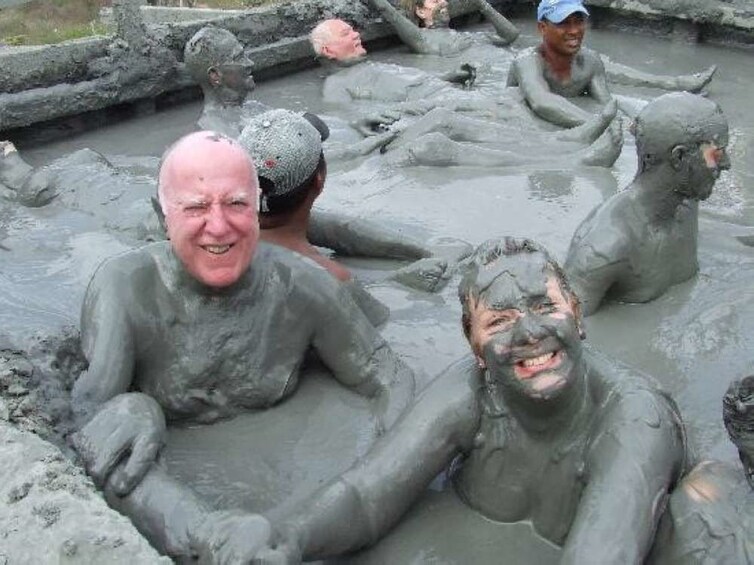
(327, 52)
(541, 27)
(577, 317)
(422, 13)
(215, 76)
(320, 180)
(678, 156)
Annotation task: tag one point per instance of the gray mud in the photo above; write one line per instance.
(694, 339)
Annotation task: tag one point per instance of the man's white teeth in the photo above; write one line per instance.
(541, 360)
(217, 249)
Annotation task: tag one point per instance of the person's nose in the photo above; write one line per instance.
(216, 224)
(528, 330)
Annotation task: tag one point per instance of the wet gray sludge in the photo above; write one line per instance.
(694, 338)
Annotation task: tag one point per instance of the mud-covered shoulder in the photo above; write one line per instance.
(298, 276)
(635, 410)
(525, 57)
(454, 400)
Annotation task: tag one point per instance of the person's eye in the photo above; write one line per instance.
(545, 307)
(502, 320)
(194, 209)
(239, 204)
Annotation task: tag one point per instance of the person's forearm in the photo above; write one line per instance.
(557, 110)
(409, 32)
(504, 28)
(392, 384)
(167, 513)
(330, 523)
(357, 237)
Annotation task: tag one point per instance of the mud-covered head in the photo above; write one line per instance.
(738, 417)
(521, 318)
(286, 148)
(688, 134)
(207, 189)
(427, 13)
(337, 40)
(216, 60)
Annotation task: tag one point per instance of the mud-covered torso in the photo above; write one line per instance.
(204, 356)
(382, 82)
(583, 67)
(512, 476)
(659, 256)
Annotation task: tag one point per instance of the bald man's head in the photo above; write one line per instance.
(207, 188)
(337, 40)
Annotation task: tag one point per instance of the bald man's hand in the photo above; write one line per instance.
(128, 429)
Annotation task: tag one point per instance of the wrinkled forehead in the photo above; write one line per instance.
(513, 281)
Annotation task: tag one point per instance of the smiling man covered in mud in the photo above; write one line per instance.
(204, 326)
(545, 430)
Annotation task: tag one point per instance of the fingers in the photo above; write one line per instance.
(143, 452)
(102, 461)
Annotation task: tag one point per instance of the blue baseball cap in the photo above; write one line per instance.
(556, 11)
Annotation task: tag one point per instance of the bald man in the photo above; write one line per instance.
(207, 325)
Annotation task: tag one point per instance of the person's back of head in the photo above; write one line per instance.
(672, 120)
(209, 47)
(286, 148)
(738, 417)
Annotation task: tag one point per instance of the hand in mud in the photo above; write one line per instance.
(376, 122)
(233, 536)
(128, 429)
(465, 75)
(429, 275)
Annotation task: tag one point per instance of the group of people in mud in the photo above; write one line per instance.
(217, 319)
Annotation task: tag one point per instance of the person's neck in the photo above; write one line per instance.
(187, 286)
(215, 99)
(560, 416)
(290, 232)
(655, 194)
(558, 64)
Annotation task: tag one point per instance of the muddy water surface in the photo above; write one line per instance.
(695, 339)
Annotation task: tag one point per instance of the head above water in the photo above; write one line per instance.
(216, 60)
(427, 13)
(521, 318)
(738, 417)
(562, 25)
(337, 40)
(688, 133)
(207, 189)
(286, 148)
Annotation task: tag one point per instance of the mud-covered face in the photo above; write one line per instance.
(566, 37)
(526, 331)
(704, 162)
(434, 13)
(233, 76)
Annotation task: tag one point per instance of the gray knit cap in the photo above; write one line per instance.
(285, 148)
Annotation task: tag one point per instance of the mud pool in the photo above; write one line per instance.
(695, 339)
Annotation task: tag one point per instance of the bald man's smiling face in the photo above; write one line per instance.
(209, 199)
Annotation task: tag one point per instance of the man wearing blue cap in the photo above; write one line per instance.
(559, 67)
